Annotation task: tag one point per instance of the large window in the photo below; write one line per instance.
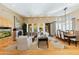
(64, 24)
(35, 27)
(41, 27)
(30, 28)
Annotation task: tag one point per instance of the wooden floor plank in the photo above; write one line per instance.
(69, 50)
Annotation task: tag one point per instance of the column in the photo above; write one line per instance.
(38, 28)
(32, 27)
(27, 27)
(43, 27)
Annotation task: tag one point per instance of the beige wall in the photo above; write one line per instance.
(75, 14)
(7, 16)
(37, 20)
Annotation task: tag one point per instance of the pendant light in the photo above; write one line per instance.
(65, 10)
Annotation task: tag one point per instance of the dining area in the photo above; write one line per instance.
(69, 36)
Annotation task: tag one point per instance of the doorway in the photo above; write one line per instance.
(47, 28)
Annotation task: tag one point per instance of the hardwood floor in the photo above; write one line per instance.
(68, 50)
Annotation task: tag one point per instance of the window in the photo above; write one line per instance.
(41, 27)
(64, 25)
(29, 27)
(35, 27)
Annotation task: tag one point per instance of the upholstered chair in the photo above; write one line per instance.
(62, 34)
(58, 33)
(75, 39)
(23, 42)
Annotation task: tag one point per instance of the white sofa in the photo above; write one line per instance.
(23, 42)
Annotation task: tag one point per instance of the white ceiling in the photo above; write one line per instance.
(40, 9)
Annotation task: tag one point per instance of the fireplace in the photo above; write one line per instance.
(5, 32)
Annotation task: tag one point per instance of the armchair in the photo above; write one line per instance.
(23, 42)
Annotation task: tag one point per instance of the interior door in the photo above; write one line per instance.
(47, 28)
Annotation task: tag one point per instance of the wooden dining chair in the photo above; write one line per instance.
(62, 35)
(58, 33)
(65, 37)
(75, 39)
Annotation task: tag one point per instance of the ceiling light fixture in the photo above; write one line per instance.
(65, 9)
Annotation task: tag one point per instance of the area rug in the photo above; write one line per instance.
(34, 46)
(57, 43)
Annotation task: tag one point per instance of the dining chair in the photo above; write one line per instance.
(76, 38)
(62, 35)
(58, 33)
(65, 37)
